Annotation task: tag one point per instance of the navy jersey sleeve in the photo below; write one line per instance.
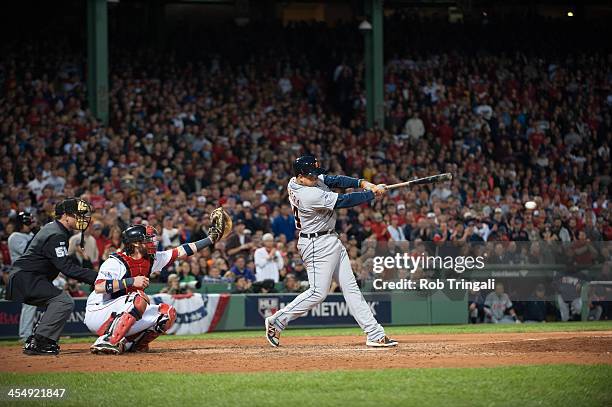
(340, 181)
(353, 199)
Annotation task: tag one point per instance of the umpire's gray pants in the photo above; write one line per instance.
(26, 321)
(52, 322)
(325, 258)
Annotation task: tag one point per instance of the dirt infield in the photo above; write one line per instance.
(330, 353)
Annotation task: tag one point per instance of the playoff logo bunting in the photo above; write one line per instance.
(195, 313)
(267, 306)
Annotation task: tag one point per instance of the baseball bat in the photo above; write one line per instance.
(425, 180)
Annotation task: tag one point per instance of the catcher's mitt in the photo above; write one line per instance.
(221, 225)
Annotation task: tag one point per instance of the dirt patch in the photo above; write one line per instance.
(329, 353)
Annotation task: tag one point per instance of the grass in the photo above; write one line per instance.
(558, 385)
(551, 385)
(392, 330)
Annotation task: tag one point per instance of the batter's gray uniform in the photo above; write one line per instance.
(324, 257)
(17, 244)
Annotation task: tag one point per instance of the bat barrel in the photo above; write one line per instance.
(421, 181)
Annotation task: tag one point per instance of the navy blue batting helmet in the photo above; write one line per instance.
(308, 165)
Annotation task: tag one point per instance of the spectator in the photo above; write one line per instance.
(582, 251)
(239, 242)
(268, 260)
(87, 256)
(170, 236)
(223, 267)
(292, 284)
(184, 272)
(284, 223)
(173, 286)
(414, 128)
(297, 268)
(37, 184)
(396, 233)
(242, 285)
(73, 288)
(379, 228)
(239, 269)
(101, 240)
(214, 276)
(115, 240)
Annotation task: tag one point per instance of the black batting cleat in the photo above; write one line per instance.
(384, 342)
(40, 345)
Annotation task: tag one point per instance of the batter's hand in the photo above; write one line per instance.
(141, 282)
(367, 185)
(379, 190)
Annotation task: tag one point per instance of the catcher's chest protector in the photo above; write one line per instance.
(133, 268)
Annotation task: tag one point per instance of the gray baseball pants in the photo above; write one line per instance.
(325, 258)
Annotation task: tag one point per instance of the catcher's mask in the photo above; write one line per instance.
(77, 208)
(146, 235)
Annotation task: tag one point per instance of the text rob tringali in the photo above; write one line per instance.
(436, 284)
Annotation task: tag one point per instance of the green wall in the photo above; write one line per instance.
(410, 308)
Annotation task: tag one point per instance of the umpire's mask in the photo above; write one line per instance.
(76, 207)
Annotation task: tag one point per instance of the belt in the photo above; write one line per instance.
(316, 234)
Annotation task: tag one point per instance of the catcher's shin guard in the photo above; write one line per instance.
(167, 316)
(124, 321)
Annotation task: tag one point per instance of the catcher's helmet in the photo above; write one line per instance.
(308, 165)
(140, 234)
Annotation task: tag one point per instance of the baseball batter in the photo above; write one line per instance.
(118, 310)
(325, 257)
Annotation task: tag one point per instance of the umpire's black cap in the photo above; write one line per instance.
(308, 165)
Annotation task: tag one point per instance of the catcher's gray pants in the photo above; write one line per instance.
(325, 258)
(55, 316)
(26, 321)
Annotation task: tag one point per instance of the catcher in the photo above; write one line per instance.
(118, 310)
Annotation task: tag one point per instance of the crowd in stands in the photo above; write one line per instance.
(513, 123)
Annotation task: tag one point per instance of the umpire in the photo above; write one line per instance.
(30, 281)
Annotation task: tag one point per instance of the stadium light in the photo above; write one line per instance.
(570, 14)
